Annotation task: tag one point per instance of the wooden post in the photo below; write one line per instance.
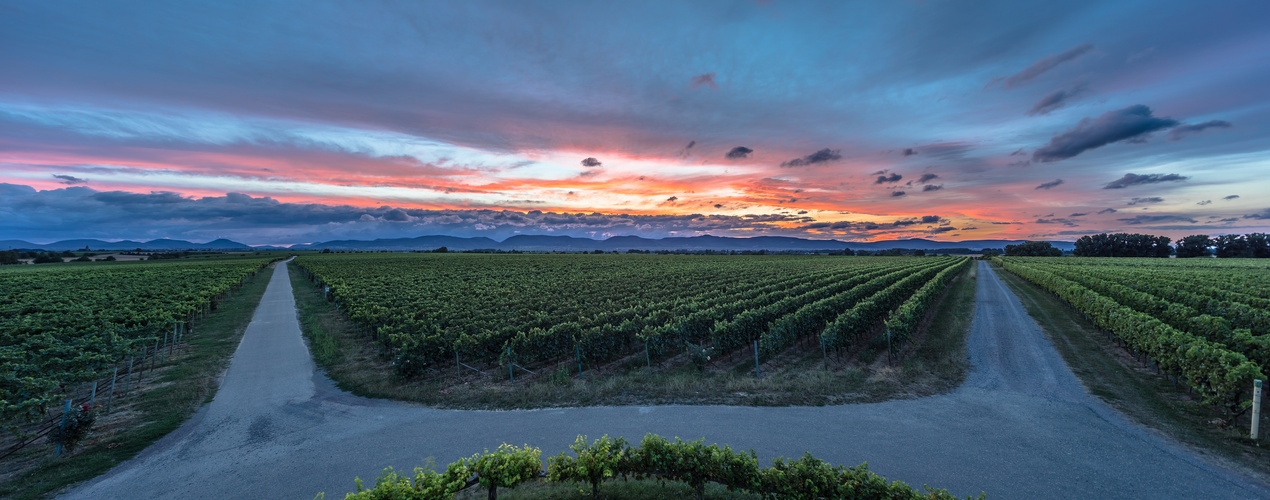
(756, 373)
(110, 400)
(579, 349)
(1256, 407)
(458, 367)
(92, 397)
(65, 414)
(127, 381)
(648, 359)
(511, 372)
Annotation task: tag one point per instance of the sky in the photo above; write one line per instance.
(297, 122)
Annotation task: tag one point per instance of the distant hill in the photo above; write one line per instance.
(100, 245)
(550, 243)
(537, 243)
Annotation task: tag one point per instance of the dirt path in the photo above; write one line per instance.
(1021, 427)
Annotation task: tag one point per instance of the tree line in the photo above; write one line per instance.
(1247, 246)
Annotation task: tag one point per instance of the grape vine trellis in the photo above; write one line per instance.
(528, 310)
(61, 326)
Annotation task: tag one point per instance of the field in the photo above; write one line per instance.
(439, 315)
(66, 324)
(1205, 322)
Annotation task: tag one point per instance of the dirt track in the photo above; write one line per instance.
(1021, 427)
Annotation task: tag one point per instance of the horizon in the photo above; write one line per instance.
(896, 240)
(295, 122)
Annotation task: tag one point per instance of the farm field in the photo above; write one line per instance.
(445, 320)
(1205, 322)
(68, 324)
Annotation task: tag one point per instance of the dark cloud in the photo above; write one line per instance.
(932, 187)
(1155, 219)
(931, 219)
(1078, 214)
(1019, 152)
(946, 150)
(1262, 215)
(1135, 179)
(1231, 219)
(1181, 131)
(1065, 222)
(1107, 211)
(1045, 64)
(1055, 100)
(1205, 202)
(70, 180)
(909, 151)
(673, 198)
(705, 79)
(1231, 197)
(943, 229)
(687, 150)
(396, 215)
(1051, 184)
(738, 153)
(926, 178)
(591, 162)
(898, 193)
(1129, 123)
(718, 205)
(882, 179)
(1146, 201)
(822, 156)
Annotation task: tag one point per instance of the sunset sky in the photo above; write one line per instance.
(293, 122)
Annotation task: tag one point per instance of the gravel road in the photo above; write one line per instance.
(1021, 426)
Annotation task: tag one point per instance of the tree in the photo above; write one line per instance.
(46, 258)
(1033, 249)
(991, 252)
(441, 250)
(1232, 246)
(1123, 245)
(1258, 244)
(1195, 245)
(919, 253)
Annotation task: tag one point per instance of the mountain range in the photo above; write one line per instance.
(537, 243)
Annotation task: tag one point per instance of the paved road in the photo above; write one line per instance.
(1021, 427)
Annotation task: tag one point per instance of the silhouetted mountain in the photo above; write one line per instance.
(551, 243)
(99, 245)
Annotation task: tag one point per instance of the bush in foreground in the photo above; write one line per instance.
(606, 459)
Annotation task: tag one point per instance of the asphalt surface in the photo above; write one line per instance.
(1022, 426)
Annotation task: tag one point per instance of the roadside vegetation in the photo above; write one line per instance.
(803, 374)
(167, 395)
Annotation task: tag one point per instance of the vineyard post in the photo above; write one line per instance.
(756, 374)
(579, 349)
(1256, 407)
(165, 341)
(824, 352)
(458, 367)
(65, 414)
(127, 381)
(647, 359)
(511, 372)
(110, 400)
(92, 396)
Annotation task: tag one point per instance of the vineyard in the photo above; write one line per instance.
(1203, 322)
(64, 326)
(435, 312)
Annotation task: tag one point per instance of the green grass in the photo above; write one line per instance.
(800, 376)
(1114, 376)
(180, 385)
